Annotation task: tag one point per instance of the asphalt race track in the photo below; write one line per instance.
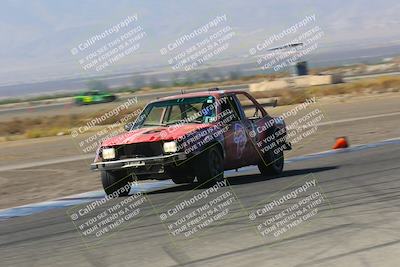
(356, 225)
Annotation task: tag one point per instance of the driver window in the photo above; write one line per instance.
(229, 103)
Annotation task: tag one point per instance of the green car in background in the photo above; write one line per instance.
(94, 97)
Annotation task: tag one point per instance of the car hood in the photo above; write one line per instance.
(153, 134)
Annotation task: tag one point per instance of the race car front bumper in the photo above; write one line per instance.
(141, 165)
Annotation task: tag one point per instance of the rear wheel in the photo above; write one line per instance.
(210, 166)
(109, 99)
(115, 182)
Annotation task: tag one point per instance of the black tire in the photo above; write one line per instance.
(210, 166)
(272, 164)
(182, 179)
(110, 99)
(115, 182)
(181, 174)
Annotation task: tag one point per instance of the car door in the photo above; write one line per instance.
(235, 135)
(251, 115)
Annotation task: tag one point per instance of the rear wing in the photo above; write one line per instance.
(273, 104)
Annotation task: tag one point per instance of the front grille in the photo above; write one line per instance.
(139, 150)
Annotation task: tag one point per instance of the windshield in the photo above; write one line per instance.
(178, 111)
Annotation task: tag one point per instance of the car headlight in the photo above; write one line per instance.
(170, 147)
(108, 153)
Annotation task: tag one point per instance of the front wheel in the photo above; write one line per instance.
(115, 183)
(181, 174)
(210, 166)
(182, 179)
(272, 163)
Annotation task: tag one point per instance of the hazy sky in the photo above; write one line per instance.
(37, 36)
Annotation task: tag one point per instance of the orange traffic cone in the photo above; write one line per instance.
(341, 142)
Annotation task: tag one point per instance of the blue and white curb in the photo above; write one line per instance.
(77, 199)
(147, 187)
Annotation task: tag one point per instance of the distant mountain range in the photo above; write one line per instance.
(37, 36)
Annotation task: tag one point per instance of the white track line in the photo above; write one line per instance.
(90, 156)
(359, 118)
(45, 162)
